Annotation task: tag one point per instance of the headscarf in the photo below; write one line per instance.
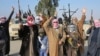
(38, 19)
(30, 20)
(60, 20)
(97, 23)
(74, 20)
(2, 20)
(55, 23)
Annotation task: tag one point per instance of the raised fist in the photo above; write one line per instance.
(84, 11)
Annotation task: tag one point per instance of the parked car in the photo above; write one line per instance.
(13, 29)
(86, 26)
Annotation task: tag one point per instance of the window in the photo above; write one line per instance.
(87, 22)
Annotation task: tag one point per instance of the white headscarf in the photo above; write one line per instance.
(38, 19)
(2, 20)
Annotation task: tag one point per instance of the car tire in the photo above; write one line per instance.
(12, 38)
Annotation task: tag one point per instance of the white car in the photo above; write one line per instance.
(13, 29)
(86, 26)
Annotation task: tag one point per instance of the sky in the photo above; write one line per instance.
(6, 5)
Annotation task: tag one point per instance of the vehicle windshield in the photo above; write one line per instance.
(87, 22)
(17, 21)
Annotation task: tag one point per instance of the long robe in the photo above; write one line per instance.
(80, 28)
(53, 37)
(81, 39)
(29, 42)
(6, 26)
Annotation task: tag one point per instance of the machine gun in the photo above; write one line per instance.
(20, 13)
(70, 15)
(68, 19)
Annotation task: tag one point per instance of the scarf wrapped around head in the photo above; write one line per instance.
(38, 19)
(2, 19)
(97, 23)
(30, 20)
(55, 23)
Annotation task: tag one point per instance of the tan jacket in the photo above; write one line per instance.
(80, 25)
(53, 38)
(80, 29)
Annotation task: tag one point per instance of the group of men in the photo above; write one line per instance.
(47, 36)
(51, 37)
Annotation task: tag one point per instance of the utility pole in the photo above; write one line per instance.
(63, 9)
(64, 12)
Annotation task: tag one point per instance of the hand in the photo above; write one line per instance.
(78, 45)
(68, 36)
(51, 17)
(84, 11)
(60, 42)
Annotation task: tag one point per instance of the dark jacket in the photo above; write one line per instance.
(94, 43)
(6, 27)
(25, 34)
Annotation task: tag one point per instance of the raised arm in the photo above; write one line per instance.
(81, 22)
(11, 14)
(47, 24)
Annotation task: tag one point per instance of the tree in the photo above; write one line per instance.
(46, 7)
(55, 2)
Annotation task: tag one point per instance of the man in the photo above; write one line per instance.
(56, 37)
(43, 50)
(75, 45)
(94, 39)
(73, 40)
(4, 22)
(29, 34)
(80, 29)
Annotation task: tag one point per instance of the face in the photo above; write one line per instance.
(97, 23)
(55, 23)
(2, 20)
(30, 21)
(38, 19)
(74, 20)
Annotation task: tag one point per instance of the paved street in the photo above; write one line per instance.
(15, 47)
(85, 46)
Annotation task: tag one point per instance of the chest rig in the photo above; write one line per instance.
(73, 33)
